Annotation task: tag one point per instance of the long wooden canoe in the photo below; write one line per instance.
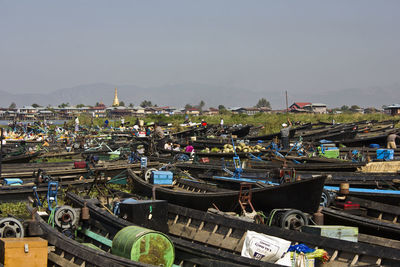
(227, 233)
(304, 195)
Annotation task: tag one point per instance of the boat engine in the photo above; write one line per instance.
(65, 217)
(11, 227)
(291, 219)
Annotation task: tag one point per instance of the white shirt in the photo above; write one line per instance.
(222, 122)
(167, 146)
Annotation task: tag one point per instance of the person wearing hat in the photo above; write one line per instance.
(285, 134)
(391, 140)
(159, 135)
(140, 149)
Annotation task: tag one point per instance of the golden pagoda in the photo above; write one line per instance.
(116, 101)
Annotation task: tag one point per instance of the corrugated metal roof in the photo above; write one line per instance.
(301, 104)
(318, 105)
(394, 106)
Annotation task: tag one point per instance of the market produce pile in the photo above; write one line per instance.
(228, 148)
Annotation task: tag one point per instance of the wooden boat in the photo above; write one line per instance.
(333, 132)
(334, 178)
(24, 171)
(265, 168)
(66, 252)
(390, 197)
(23, 158)
(373, 218)
(367, 151)
(350, 134)
(357, 127)
(193, 131)
(369, 138)
(201, 154)
(17, 193)
(333, 136)
(299, 163)
(304, 195)
(227, 233)
(64, 173)
(292, 132)
(240, 132)
(106, 226)
(376, 128)
(357, 179)
(310, 164)
(60, 153)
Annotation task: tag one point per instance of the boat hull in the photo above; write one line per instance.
(303, 195)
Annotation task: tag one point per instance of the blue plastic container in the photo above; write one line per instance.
(162, 178)
(374, 146)
(13, 181)
(385, 154)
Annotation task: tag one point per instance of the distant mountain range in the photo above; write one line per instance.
(192, 93)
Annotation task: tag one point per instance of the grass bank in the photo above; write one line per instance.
(271, 122)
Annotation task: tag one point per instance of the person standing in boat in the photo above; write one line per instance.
(76, 124)
(159, 135)
(158, 131)
(186, 119)
(391, 140)
(285, 131)
(147, 130)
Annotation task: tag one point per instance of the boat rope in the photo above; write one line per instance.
(51, 217)
(271, 216)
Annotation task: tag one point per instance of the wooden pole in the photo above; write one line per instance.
(287, 107)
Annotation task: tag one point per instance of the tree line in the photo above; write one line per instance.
(262, 103)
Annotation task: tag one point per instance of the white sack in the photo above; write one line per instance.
(264, 247)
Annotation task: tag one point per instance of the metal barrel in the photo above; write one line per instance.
(144, 245)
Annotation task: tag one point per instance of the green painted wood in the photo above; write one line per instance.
(97, 237)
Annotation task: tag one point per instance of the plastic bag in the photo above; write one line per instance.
(293, 259)
(301, 248)
(264, 247)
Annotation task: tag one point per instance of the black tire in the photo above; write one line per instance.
(326, 199)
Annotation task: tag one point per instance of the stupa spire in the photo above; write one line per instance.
(116, 101)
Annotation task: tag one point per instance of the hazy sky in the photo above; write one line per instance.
(260, 45)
